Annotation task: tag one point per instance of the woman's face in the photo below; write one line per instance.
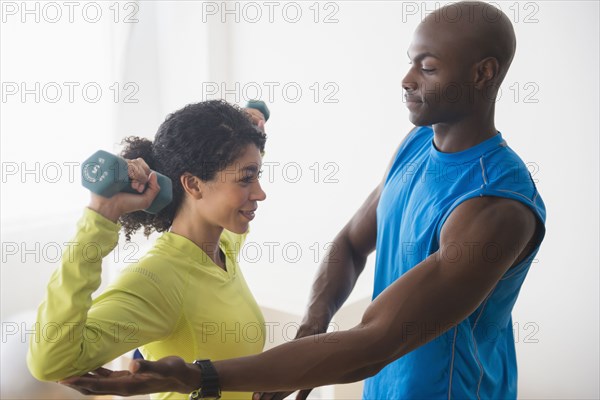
(231, 198)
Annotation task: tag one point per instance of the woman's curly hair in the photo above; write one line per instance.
(201, 139)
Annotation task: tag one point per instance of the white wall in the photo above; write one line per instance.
(180, 50)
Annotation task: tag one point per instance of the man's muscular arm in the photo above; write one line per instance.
(343, 263)
(440, 291)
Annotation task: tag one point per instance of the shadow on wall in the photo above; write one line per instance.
(16, 381)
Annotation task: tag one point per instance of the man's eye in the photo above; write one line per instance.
(427, 70)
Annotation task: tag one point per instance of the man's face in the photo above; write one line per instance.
(439, 83)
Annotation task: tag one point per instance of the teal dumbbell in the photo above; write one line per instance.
(106, 174)
(260, 106)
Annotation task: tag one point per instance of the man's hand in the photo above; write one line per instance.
(169, 374)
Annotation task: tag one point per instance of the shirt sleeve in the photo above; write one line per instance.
(73, 334)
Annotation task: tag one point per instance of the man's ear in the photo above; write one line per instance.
(486, 72)
(191, 185)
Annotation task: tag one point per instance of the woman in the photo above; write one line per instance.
(187, 295)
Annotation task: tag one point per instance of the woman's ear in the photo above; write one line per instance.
(191, 185)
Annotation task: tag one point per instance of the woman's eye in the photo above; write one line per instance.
(427, 70)
(251, 177)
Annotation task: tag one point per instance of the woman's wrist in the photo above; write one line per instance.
(106, 209)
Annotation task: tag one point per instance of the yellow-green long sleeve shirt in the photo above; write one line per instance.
(173, 301)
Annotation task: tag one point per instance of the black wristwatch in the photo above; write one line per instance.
(210, 382)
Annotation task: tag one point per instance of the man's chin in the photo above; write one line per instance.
(418, 120)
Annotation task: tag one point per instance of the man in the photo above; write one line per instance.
(456, 223)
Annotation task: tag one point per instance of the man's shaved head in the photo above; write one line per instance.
(474, 29)
(459, 55)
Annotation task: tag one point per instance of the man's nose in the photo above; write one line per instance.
(408, 85)
(408, 82)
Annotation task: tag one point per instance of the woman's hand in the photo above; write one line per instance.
(257, 117)
(122, 203)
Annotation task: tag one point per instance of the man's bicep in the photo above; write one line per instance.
(484, 236)
(361, 231)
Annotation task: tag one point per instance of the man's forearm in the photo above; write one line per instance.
(339, 357)
(342, 266)
(334, 282)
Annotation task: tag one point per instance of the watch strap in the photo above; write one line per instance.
(209, 388)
